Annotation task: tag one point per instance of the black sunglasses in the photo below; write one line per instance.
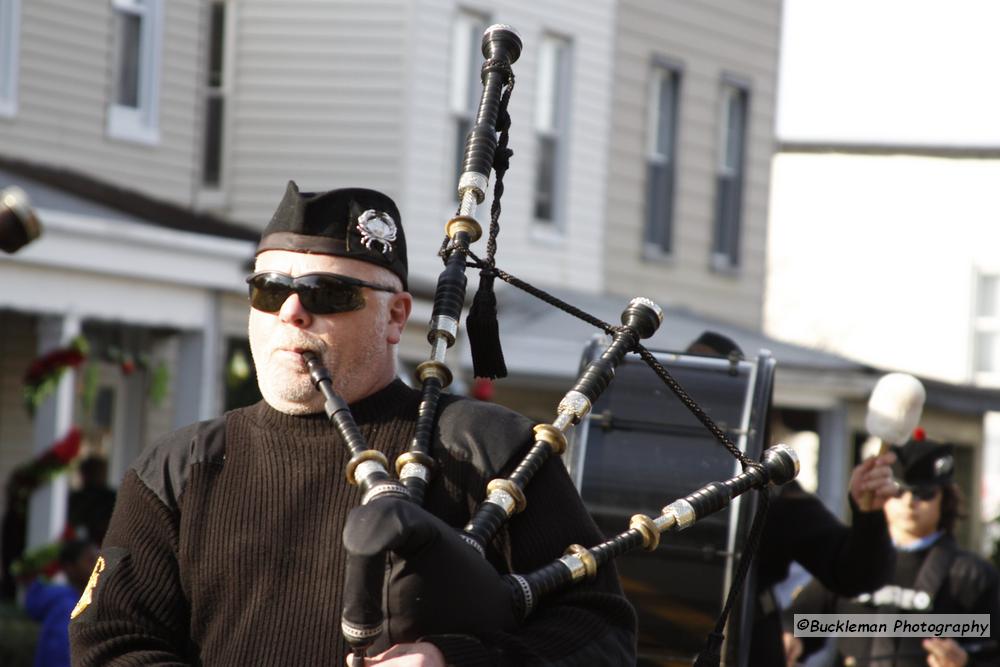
(320, 293)
(922, 492)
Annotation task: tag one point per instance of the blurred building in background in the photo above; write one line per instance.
(102, 109)
(156, 139)
(884, 219)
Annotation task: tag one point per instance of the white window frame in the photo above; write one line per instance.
(10, 29)
(727, 233)
(984, 323)
(141, 123)
(465, 86)
(555, 54)
(663, 73)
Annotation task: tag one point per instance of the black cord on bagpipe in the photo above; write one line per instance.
(639, 349)
(711, 655)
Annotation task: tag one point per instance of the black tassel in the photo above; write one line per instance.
(712, 653)
(484, 332)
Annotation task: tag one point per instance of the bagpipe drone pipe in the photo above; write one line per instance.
(391, 519)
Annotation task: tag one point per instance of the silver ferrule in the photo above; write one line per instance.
(415, 470)
(366, 468)
(649, 303)
(502, 499)
(665, 521)
(502, 26)
(683, 513)
(445, 327)
(472, 189)
(439, 349)
(526, 593)
(385, 489)
(360, 632)
(574, 405)
(790, 453)
(474, 544)
(563, 422)
(575, 566)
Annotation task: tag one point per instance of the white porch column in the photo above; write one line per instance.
(53, 420)
(990, 507)
(198, 385)
(211, 360)
(834, 460)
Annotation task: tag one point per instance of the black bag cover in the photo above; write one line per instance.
(438, 584)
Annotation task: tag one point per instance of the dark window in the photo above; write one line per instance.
(211, 173)
(129, 59)
(662, 134)
(730, 177)
(550, 121)
(545, 183)
(212, 163)
(241, 375)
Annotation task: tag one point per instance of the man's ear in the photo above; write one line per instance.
(400, 304)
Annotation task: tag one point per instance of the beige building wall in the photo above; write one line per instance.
(357, 94)
(318, 96)
(708, 41)
(66, 78)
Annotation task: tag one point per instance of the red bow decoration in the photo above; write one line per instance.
(43, 375)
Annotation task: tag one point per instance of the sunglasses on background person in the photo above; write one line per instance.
(923, 492)
(319, 293)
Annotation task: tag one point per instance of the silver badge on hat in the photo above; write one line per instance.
(943, 466)
(377, 227)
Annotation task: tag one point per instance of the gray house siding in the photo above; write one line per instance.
(358, 94)
(708, 41)
(66, 64)
(319, 96)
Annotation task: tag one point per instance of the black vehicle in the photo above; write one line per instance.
(639, 450)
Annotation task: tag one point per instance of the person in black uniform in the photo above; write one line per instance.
(799, 528)
(932, 574)
(226, 546)
(89, 507)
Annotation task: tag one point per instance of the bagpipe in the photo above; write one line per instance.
(391, 519)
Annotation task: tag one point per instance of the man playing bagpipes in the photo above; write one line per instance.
(227, 544)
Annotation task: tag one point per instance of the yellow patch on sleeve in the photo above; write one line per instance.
(88, 592)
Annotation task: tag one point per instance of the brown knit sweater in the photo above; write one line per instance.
(225, 544)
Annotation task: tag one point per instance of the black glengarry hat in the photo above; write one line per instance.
(923, 463)
(356, 223)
